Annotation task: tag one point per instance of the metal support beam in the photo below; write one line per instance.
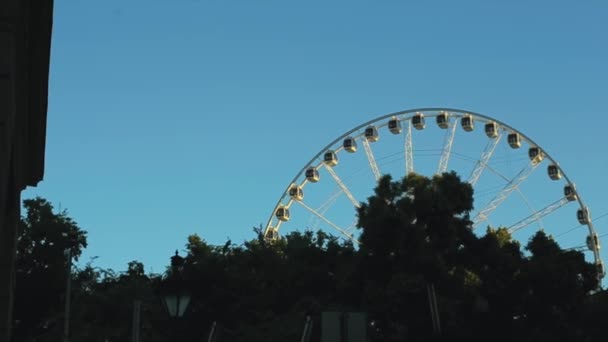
(342, 186)
(372, 160)
(538, 215)
(504, 193)
(409, 152)
(448, 141)
(324, 207)
(484, 158)
(335, 226)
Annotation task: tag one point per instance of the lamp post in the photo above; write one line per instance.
(68, 294)
(175, 296)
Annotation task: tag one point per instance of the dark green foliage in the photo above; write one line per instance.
(41, 266)
(415, 233)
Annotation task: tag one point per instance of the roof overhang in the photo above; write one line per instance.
(25, 48)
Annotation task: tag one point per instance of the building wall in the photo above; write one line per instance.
(8, 184)
(25, 38)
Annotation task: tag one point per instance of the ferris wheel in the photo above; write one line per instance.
(504, 166)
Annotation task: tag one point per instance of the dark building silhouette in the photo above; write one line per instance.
(25, 39)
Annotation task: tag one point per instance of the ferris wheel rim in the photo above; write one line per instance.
(404, 117)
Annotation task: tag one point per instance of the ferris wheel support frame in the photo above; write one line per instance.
(482, 163)
(342, 186)
(335, 226)
(371, 159)
(538, 215)
(409, 151)
(458, 113)
(448, 141)
(512, 185)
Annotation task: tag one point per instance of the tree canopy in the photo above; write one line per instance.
(416, 238)
(42, 266)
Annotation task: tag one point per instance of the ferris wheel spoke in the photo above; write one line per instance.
(342, 186)
(512, 185)
(330, 201)
(335, 226)
(371, 159)
(482, 163)
(448, 141)
(409, 151)
(313, 220)
(529, 205)
(538, 215)
(353, 225)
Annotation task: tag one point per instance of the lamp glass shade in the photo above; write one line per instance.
(171, 304)
(183, 304)
(177, 304)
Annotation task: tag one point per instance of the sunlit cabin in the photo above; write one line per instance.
(570, 192)
(282, 214)
(443, 120)
(330, 158)
(536, 154)
(514, 140)
(371, 133)
(418, 121)
(394, 125)
(491, 129)
(296, 192)
(312, 175)
(467, 123)
(554, 172)
(600, 269)
(350, 144)
(583, 215)
(272, 234)
(593, 242)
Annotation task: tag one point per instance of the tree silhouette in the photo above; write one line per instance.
(415, 235)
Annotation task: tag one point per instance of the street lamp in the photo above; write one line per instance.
(176, 298)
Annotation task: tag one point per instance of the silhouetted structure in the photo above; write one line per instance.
(25, 39)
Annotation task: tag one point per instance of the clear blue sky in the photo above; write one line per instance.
(168, 118)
